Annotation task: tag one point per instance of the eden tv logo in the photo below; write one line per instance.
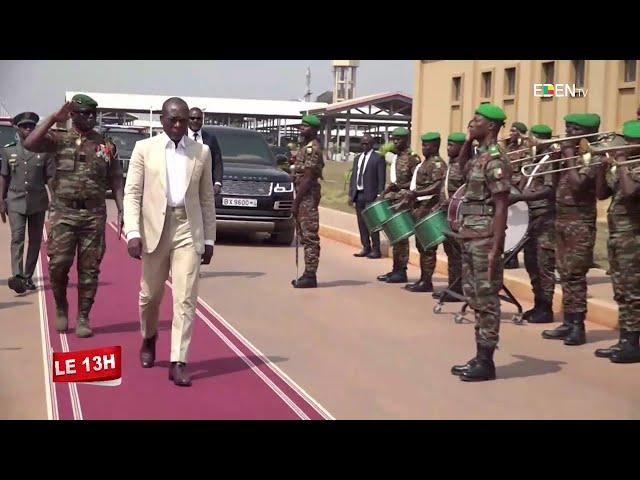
(546, 90)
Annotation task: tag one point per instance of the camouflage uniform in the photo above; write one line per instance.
(575, 227)
(516, 168)
(624, 252)
(429, 173)
(310, 157)
(539, 250)
(487, 173)
(406, 162)
(27, 202)
(454, 180)
(85, 170)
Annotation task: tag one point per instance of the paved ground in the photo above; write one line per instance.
(353, 348)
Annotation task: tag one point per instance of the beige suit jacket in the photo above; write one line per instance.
(145, 192)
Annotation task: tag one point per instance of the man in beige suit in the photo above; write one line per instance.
(170, 223)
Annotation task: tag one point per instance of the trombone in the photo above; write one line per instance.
(586, 155)
(536, 142)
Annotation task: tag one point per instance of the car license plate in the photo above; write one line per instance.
(240, 202)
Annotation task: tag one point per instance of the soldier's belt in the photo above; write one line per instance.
(476, 209)
(88, 204)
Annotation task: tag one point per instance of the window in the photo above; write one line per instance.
(548, 72)
(486, 84)
(630, 70)
(578, 73)
(510, 81)
(456, 89)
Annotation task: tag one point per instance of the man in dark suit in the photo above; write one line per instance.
(367, 182)
(196, 133)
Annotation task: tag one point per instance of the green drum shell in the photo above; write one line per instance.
(399, 227)
(376, 214)
(429, 229)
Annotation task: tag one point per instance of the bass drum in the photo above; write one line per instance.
(517, 218)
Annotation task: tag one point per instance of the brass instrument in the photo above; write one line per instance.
(587, 151)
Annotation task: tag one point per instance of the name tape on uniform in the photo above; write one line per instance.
(99, 366)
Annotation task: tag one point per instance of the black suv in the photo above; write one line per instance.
(7, 132)
(257, 195)
(125, 139)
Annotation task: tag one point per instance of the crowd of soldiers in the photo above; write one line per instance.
(561, 228)
(80, 165)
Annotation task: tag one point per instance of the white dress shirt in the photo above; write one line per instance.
(199, 135)
(176, 171)
(362, 164)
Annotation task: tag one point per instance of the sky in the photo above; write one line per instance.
(40, 85)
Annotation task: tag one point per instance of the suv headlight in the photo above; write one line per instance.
(283, 187)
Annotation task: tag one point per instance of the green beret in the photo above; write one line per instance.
(311, 120)
(430, 136)
(541, 129)
(521, 127)
(631, 129)
(84, 100)
(588, 120)
(491, 111)
(457, 137)
(26, 117)
(400, 132)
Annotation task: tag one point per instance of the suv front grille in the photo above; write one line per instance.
(246, 188)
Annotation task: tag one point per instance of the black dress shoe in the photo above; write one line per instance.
(29, 285)
(148, 351)
(362, 253)
(17, 284)
(178, 374)
(374, 254)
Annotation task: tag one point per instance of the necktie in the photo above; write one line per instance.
(195, 136)
(361, 171)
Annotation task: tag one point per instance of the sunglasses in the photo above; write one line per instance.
(195, 118)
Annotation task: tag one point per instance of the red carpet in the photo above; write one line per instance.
(230, 380)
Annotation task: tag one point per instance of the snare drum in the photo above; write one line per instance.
(376, 214)
(429, 229)
(399, 227)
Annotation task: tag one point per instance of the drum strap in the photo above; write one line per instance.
(446, 183)
(414, 184)
(392, 172)
(535, 170)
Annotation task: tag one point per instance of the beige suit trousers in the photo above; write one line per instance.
(176, 254)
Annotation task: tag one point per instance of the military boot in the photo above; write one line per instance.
(308, 280)
(83, 330)
(422, 285)
(560, 331)
(62, 308)
(577, 335)
(629, 350)
(460, 369)
(607, 352)
(483, 368)
(398, 276)
(543, 313)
